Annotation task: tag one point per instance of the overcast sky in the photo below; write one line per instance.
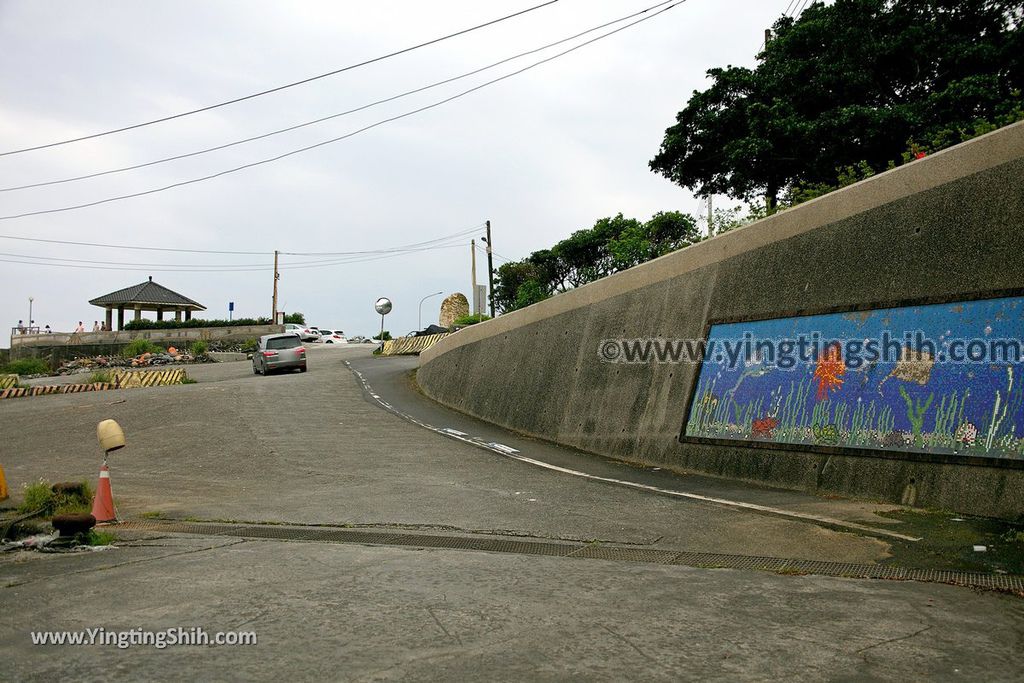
(541, 154)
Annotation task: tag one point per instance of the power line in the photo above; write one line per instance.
(264, 268)
(136, 248)
(494, 253)
(281, 87)
(123, 263)
(460, 234)
(305, 124)
(213, 251)
(347, 135)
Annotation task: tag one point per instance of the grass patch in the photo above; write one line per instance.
(26, 366)
(137, 347)
(95, 537)
(41, 496)
(100, 377)
(250, 345)
(152, 514)
(188, 380)
(949, 544)
(198, 348)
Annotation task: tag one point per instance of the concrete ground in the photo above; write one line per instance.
(314, 448)
(351, 613)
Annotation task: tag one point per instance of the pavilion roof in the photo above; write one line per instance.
(150, 294)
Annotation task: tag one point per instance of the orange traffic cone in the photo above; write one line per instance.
(103, 503)
(3, 485)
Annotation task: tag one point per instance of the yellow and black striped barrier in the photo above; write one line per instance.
(119, 380)
(8, 381)
(405, 346)
(150, 378)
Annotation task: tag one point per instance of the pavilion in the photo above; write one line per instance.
(146, 296)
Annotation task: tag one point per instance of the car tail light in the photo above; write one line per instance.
(301, 349)
(268, 354)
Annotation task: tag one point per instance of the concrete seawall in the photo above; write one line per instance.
(61, 346)
(944, 228)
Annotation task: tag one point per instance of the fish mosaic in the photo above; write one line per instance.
(918, 397)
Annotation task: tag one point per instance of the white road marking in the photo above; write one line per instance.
(456, 432)
(501, 450)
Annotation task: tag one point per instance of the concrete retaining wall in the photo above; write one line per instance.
(946, 226)
(62, 346)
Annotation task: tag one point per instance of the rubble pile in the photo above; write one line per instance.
(98, 363)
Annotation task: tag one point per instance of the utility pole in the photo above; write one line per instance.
(472, 256)
(490, 268)
(711, 218)
(273, 316)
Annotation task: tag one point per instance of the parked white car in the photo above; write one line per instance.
(333, 336)
(305, 333)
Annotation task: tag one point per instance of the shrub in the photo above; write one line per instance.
(467, 320)
(100, 377)
(297, 318)
(250, 345)
(27, 366)
(198, 348)
(41, 496)
(137, 347)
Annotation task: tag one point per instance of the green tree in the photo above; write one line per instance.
(612, 244)
(849, 86)
(640, 242)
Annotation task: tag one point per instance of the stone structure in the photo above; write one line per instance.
(454, 307)
(145, 296)
(944, 228)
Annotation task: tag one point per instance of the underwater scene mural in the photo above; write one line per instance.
(937, 378)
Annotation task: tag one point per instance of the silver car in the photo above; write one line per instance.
(279, 352)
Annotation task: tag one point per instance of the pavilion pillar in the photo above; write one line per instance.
(138, 313)
(110, 318)
(159, 314)
(188, 314)
(120, 318)
(177, 315)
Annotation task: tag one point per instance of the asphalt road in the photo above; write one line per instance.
(317, 448)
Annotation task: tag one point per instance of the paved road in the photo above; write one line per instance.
(311, 448)
(315, 448)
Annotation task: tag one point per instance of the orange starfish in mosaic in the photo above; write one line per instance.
(830, 370)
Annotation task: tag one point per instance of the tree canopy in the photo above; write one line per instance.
(849, 88)
(611, 245)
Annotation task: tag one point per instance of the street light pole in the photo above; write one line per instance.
(273, 315)
(30, 300)
(419, 317)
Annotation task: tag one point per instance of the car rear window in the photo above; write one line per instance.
(289, 342)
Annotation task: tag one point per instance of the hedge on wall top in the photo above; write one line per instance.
(297, 318)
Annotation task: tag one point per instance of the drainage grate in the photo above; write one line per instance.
(1004, 582)
(601, 552)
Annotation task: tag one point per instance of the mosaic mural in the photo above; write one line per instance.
(944, 378)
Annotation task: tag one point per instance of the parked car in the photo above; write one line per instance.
(305, 333)
(333, 337)
(279, 352)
